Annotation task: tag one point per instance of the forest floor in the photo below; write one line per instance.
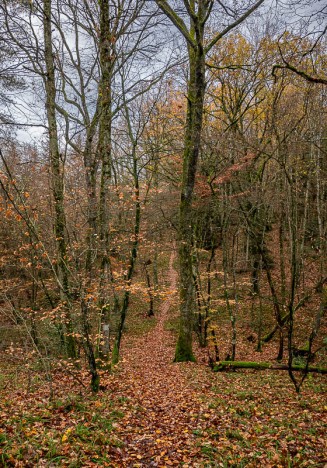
(154, 413)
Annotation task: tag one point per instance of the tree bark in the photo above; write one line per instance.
(195, 98)
(198, 13)
(57, 176)
(107, 61)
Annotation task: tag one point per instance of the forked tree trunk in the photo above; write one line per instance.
(198, 14)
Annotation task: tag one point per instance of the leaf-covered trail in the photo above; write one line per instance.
(153, 413)
(184, 415)
(165, 411)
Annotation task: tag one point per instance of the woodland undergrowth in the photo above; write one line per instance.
(151, 412)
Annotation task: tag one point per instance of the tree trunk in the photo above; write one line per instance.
(198, 14)
(134, 251)
(150, 289)
(107, 60)
(57, 176)
(91, 166)
(195, 96)
(88, 346)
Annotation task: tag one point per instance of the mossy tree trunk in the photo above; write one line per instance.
(228, 365)
(91, 169)
(198, 13)
(195, 96)
(57, 177)
(107, 62)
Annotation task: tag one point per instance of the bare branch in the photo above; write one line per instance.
(176, 20)
(301, 73)
(233, 25)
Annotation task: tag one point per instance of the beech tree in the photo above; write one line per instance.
(199, 44)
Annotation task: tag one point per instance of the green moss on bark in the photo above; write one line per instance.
(183, 351)
(227, 365)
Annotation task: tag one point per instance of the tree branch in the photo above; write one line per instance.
(176, 20)
(233, 25)
(301, 73)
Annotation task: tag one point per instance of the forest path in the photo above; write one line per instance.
(163, 400)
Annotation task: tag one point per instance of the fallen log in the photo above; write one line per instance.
(228, 365)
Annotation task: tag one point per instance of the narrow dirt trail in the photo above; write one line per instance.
(163, 407)
(184, 415)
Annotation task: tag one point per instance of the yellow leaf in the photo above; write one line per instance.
(66, 434)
